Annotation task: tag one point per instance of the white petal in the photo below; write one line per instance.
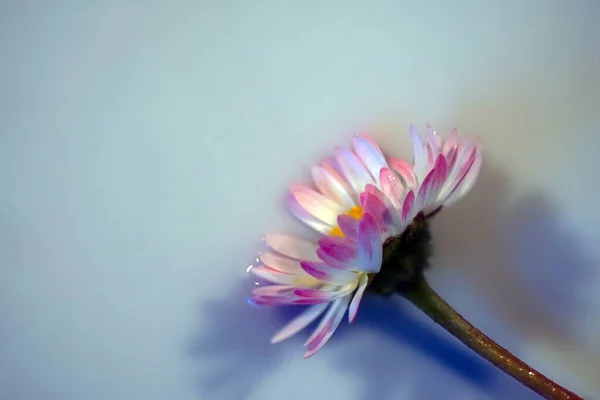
(370, 156)
(468, 181)
(317, 205)
(369, 244)
(304, 216)
(353, 169)
(331, 187)
(292, 247)
(328, 325)
(420, 156)
(280, 263)
(300, 322)
(273, 276)
(353, 310)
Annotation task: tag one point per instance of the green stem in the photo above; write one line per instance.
(426, 299)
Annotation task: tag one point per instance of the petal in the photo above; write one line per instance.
(272, 275)
(451, 142)
(328, 325)
(299, 323)
(408, 209)
(468, 181)
(317, 205)
(328, 274)
(331, 187)
(282, 264)
(341, 249)
(392, 187)
(329, 260)
(353, 310)
(292, 247)
(353, 169)
(406, 172)
(380, 207)
(349, 226)
(333, 169)
(434, 139)
(420, 157)
(432, 184)
(329, 295)
(369, 244)
(370, 156)
(465, 160)
(274, 290)
(304, 216)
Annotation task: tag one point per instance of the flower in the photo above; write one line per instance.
(362, 202)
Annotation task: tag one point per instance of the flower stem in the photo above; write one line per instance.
(425, 298)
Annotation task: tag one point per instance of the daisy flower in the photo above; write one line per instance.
(360, 203)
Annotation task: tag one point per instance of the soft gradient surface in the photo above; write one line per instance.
(147, 146)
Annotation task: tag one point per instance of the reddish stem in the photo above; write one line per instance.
(426, 299)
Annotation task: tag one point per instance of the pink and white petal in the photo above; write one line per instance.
(305, 217)
(370, 155)
(341, 249)
(451, 142)
(349, 226)
(469, 180)
(274, 290)
(317, 205)
(280, 263)
(465, 160)
(432, 184)
(300, 322)
(292, 247)
(406, 172)
(331, 187)
(391, 186)
(332, 167)
(273, 275)
(419, 154)
(370, 248)
(408, 208)
(323, 294)
(391, 218)
(328, 274)
(353, 169)
(353, 309)
(434, 139)
(371, 204)
(329, 324)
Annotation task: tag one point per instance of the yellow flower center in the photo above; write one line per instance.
(355, 212)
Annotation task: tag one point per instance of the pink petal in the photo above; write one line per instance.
(329, 260)
(465, 161)
(420, 157)
(353, 310)
(432, 184)
(405, 171)
(408, 207)
(341, 249)
(328, 274)
(349, 226)
(299, 323)
(333, 169)
(274, 290)
(328, 295)
(304, 216)
(328, 325)
(391, 187)
(370, 156)
(369, 244)
(292, 247)
(280, 263)
(372, 205)
(353, 169)
(317, 205)
(468, 181)
(331, 187)
(389, 215)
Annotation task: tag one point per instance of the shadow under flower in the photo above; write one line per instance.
(512, 257)
(234, 341)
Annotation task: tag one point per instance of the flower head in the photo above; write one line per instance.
(361, 204)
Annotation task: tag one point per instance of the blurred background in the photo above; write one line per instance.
(146, 147)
